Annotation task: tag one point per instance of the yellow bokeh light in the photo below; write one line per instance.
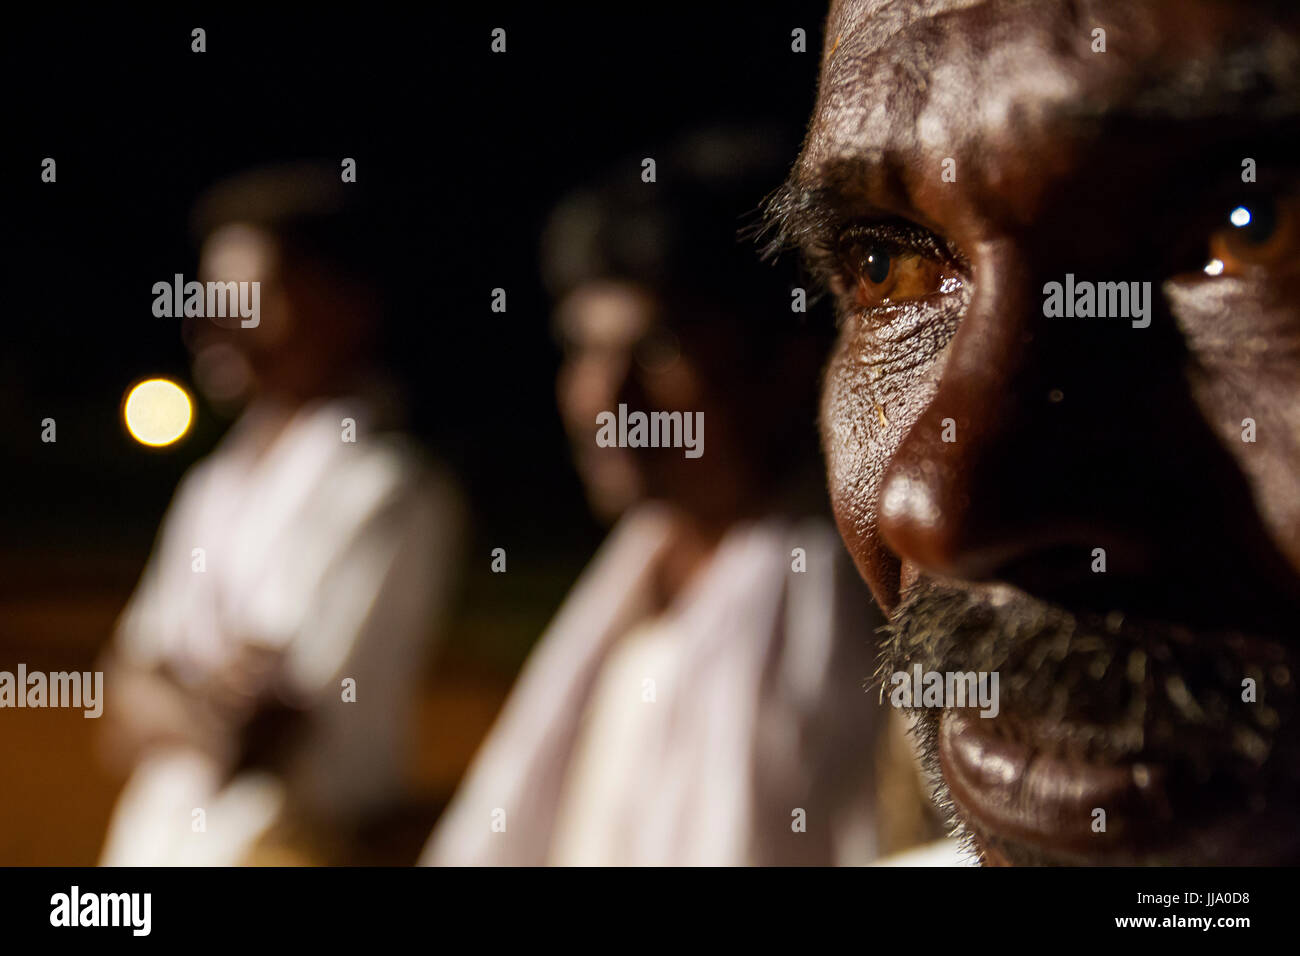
(157, 412)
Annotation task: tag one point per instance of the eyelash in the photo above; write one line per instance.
(897, 236)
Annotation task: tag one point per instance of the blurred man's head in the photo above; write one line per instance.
(312, 243)
(662, 307)
(1078, 504)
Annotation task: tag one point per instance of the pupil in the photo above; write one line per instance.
(877, 267)
(1259, 221)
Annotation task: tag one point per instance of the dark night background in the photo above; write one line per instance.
(476, 145)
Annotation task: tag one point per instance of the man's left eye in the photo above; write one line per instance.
(1260, 235)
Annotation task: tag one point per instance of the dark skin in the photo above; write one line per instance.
(1073, 434)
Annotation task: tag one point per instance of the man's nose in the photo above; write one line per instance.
(1050, 438)
(943, 500)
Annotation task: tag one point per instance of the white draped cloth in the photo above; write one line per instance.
(334, 557)
(734, 728)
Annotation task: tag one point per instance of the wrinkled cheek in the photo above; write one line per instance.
(857, 447)
(1245, 380)
(1259, 427)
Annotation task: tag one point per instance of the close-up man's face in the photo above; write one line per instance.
(1062, 421)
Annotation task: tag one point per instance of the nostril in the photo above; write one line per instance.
(1071, 573)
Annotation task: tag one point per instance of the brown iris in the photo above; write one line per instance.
(875, 275)
(1259, 235)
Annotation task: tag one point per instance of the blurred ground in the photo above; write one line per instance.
(56, 793)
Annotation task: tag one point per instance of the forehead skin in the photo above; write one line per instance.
(1066, 160)
(997, 85)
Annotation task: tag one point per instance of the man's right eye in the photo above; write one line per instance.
(885, 264)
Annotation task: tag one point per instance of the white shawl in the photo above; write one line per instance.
(769, 724)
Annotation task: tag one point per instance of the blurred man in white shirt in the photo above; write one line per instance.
(266, 666)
